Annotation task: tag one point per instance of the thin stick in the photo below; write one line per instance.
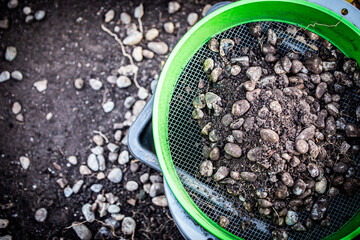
(140, 25)
(105, 29)
(75, 224)
(101, 134)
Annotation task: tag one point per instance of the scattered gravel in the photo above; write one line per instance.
(148, 54)
(129, 101)
(125, 18)
(137, 54)
(88, 214)
(68, 191)
(27, 10)
(123, 82)
(128, 225)
(96, 187)
(16, 108)
(108, 106)
(113, 208)
(138, 107)
(160, 201)
(131, 186)
(4, 223)
(143, 93)
(123, 157)
(84, 170)
(77, 186)
(134, 38)
(4, 23)
(12, 4)
(81, 231)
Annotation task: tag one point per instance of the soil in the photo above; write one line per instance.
(60, 49)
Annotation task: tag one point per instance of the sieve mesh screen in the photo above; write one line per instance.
(185, 143)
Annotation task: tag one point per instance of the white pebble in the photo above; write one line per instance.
(138, 107)
(109, 16)
(131, 186)
(113, 147)
(96, 187)
(113, 208)
(173, 7)
(79, 83)
(4, 76)
(29, 18)
(143, 93)
(98, 140)
(125, 18)
(192, 18)
(16, 108)
(169, 27)
(25, 162)
(68, 191)
(111, 79)
(123, 82)
(205, 9)
(148, 54)
(139, 11)
(137, 54)
(92, 162)
(12, 4)
(40, 215)
(17, 75)
(152, 34)
(129, 101)
(123, 157)
(97, 150)
(115, 175)
(158, 47)
(10, 53)
(108, 106)
(27, 10)
(95, 84)
(84, 170)
(134, 38)
(49, 116)
(41, 85)
(72, 160)
(117, 135)
(39, 15)
(77, 186)
(19, 117)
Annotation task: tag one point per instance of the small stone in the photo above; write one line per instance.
(221, 173)
(12, 4)
(111, 79)
(302, 146)
(340, 167)
(84, 170)
(101, 175)
(158, 47)
(314, 64)
(79, 83)
(320, 187)
(4, 24)
(156, 179)
(77, 186)
(123, 82)
(39, 15)
(131, 186)
(206, 168)
(351, 130)
(96, 187)
(62, 182)
(98, 150)
(137, 54)
(92, 162)
(239, 108)
(108, 106)
(139, 11)
(226, 46)
(98, 140)
(68, 191)
(299, 187)
(254, 73)
(148, 54)
(41, 215)
(206, 9)
(134, 38)
(233, 150)
(109, 16)
(269, 135)
(29, 18)
(123, 157)
(81, 231)
(128, 226)
(138, 107)
(113, 209)
(125, 18)
(4, 76)
(10, 53)
(88, 214)
(307, 134)
(152, 34)
(27, 10)
(248, 176)
(144, 178)
(17, 75)
(4, 223)
(16, 108)
(173, 7)
(41, 85)
(143, 93)
(25, 162)
(160, 201)
(95, 84)
(291, 218)
(113, 147)
(129, 101)
(169, 27)
(156, 189)
(192, 18)
(279, 234)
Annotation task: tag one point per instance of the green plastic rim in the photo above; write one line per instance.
(345, 37)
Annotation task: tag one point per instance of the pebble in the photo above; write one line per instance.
(68, 191)
(79, 83)
(125, 18)
(95, 84)
(20, 117)
(12, 4)
(82, 231)
(113, 209)
(98, 150)
(156, 179)
(173, 7)
(239, 108)
(143, 93)
(205, 9)
(88, 214)
(39, 15)
(134, 38)
(111, 79)
(92, 162)
(27, 10)
(269, 135)
(98, 140)
(233, 150)
(41, 85)
(113, 147)
(108, 106)
(117, 216)
(129, 101)
(41, 215)
(144, 178)
(221, 173)
(10, 53)
(302, 146)
(16, 108)
(115, 175)
(138, 107)
(29, 18)
(254, 73)
(25, 162)
(306, 134)
(113, 157)
(17, 75)
(77, 186)
(158, 47)
(152, 34)
(4, 223)
(96, 187)
(169, 27)
(4, 76)
(148, 54)
(139, 11)
(84, 170)
(291, 218)
(160, 201)
(146, 187)
(192, 18)
(4, 24)
(137, 54)
(128, 226)
(109, 16)
(131, 186)
(134, 167)
(101, 175)
(62, 182)
(6, 237)
(123, 82)
(153, 84)
(156, 189)
(123, 157)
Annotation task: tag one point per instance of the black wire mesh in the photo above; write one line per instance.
(185, 143)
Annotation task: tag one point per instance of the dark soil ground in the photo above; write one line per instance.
(60, 49)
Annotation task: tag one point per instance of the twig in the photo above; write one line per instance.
(75, 224)
(105, 29)
(110, 226)
(101, 134)
(140, 25)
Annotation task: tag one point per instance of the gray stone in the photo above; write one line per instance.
(291, 218)
(108, 106)
(115, 175)
(111, 79)
(125, 18)
(92, 162)
(192, 18)
(29, 18)
(239, 108)
(156, 179)
(169, 27)
(95, 84)
(137, 54)
(156, 189)
(134, 38)
(98, 140)
(98, 150)
(17, 75)
(77, 186)
(160, 201)
(41, 215)
(62, 182)
(84, 170)
(4, 24)
(144, 178)
(173, 7)
(269, 135)
(10, 53)
(254, 73)
(154, 83)
(113, 209)
(88, 214)
(68, 191)
(158, 47)
(12, 4)
(79, 83)
(4, 223)
(123, 157)
(96, 187)
(129, 101)
(138, 107)
(27, 10)
(117, 135)
(109, 16)
(25, 162)
(39, 15)
(123, 82)
(81, 231)
(128, 226)
(113, 147)
(113, 156)
(4, 76)
(233, 150)
(131, 186)
(152, 34)
(139, 11)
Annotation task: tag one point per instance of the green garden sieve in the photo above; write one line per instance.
(177, 139)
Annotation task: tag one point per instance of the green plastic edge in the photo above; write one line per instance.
(217, 22)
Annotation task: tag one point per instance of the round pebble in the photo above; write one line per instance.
(123, 157)
(10, 53)
(27, 10)
(152, 34)
(41, 85)
(96, 187)
(109, 16)
(108, 106)
(41, 214)
(39, 15)
(169, 27)
(192, 18)
(79, 83)
(98, 140)
(17, 75)
(131, 186)
(173, 7)
(95, 84)
(128, 226)
(137, 54)
(143, 93)
(16, 108)
(4, 76)
(113, 208)
(123, 82)
(115, 175)
(25, 162)
(158, 47)
(125, 18)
